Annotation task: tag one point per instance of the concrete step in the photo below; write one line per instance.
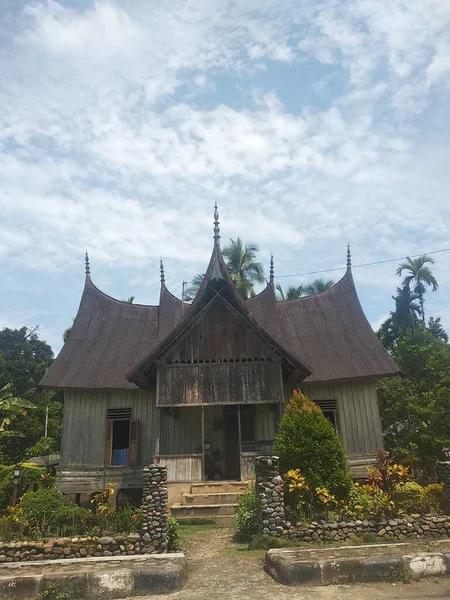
(220, 520)
(202, 511)
(204, 499)
(219, 487)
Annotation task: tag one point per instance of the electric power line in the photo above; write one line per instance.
(378, 262)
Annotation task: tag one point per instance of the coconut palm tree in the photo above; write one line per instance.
(318, 285)
(243, 267)
(292, 293)
(420, 275)
(405, 316)
(192, 290)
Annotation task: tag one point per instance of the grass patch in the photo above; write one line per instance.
(242, 551)
(187, 532)
(399, 575)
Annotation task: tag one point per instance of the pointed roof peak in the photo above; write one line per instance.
(349, 257)
(272, 271)
(216, 226)
(87, 266)
(161, 271)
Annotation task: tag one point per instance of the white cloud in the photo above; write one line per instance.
(312, 124)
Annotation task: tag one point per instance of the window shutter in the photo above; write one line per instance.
(134, 442)
(108, 442)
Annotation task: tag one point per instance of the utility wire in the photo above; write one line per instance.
(378, 262)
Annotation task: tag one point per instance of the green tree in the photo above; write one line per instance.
(415, 409)
(404, 317)
(420, 276)
(318, 285)
(24, 359)
(292, 293)
(306, 440)
(243, 267)
(11, 406)
(192, 290)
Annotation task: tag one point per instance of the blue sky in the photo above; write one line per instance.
(312, 123)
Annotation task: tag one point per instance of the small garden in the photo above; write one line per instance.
(318, 488)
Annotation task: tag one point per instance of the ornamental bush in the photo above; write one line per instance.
(306, 440)
(433, 498)
(247, 515)
(408, 496)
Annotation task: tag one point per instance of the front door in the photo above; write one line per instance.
(232, 452)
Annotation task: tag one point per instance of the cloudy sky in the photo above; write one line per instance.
(312, 123)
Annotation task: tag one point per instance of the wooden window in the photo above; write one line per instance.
(122, 438)
(329, 409)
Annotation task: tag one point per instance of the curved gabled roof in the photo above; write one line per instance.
(326, 333)
(330, 331)
(107, 339)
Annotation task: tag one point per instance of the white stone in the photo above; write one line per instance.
(426, 564)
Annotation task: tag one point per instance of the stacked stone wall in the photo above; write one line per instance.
(153, 538)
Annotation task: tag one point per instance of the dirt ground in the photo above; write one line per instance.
(218, 569)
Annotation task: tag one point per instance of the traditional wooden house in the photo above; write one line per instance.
(200, 387)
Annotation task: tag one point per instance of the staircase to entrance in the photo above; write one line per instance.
(214, 500)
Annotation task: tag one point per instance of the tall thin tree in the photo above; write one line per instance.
(243, 267)
(420, 275)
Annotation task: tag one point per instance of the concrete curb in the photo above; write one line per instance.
(95, 578)
(286, 567)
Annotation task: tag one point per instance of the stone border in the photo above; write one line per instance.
(410, 527)
(287, 568)
(102, 578)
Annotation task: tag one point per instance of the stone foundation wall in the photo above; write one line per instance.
(77, 547)
(409, 527)
(153, 538)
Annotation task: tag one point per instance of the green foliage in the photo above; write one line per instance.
(307, 441)
(408, 497)
(45, 512)
(267, 542)
(243, 267)
(55, 592)
(367, 502)
(433, 498)
(126, 519)
(415, 410)
(43, 447)
(173, 534)
(247, 522)
(24, 358)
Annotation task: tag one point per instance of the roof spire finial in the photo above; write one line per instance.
(161, 270)
(216, 225)
(271, 273)
(349, 257)
(87, 266)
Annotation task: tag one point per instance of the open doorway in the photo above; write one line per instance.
(232, 450)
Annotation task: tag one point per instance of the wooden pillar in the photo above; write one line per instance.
(158, 431)
(203, 443)
(240, 441)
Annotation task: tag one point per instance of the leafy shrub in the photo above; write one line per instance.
(45, 511)
(408, 496)
(173, 534)
(247, 522)
(433, 498)
(306, 440)
(367, 502)
(125, 519)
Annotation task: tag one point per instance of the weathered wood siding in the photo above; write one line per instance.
(220, 383)
(358, 415)
(182, 468)
(84, 424)
(181, 430)
(221, 360)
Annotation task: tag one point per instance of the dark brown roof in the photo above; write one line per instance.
(326, 333)
(217, 284)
